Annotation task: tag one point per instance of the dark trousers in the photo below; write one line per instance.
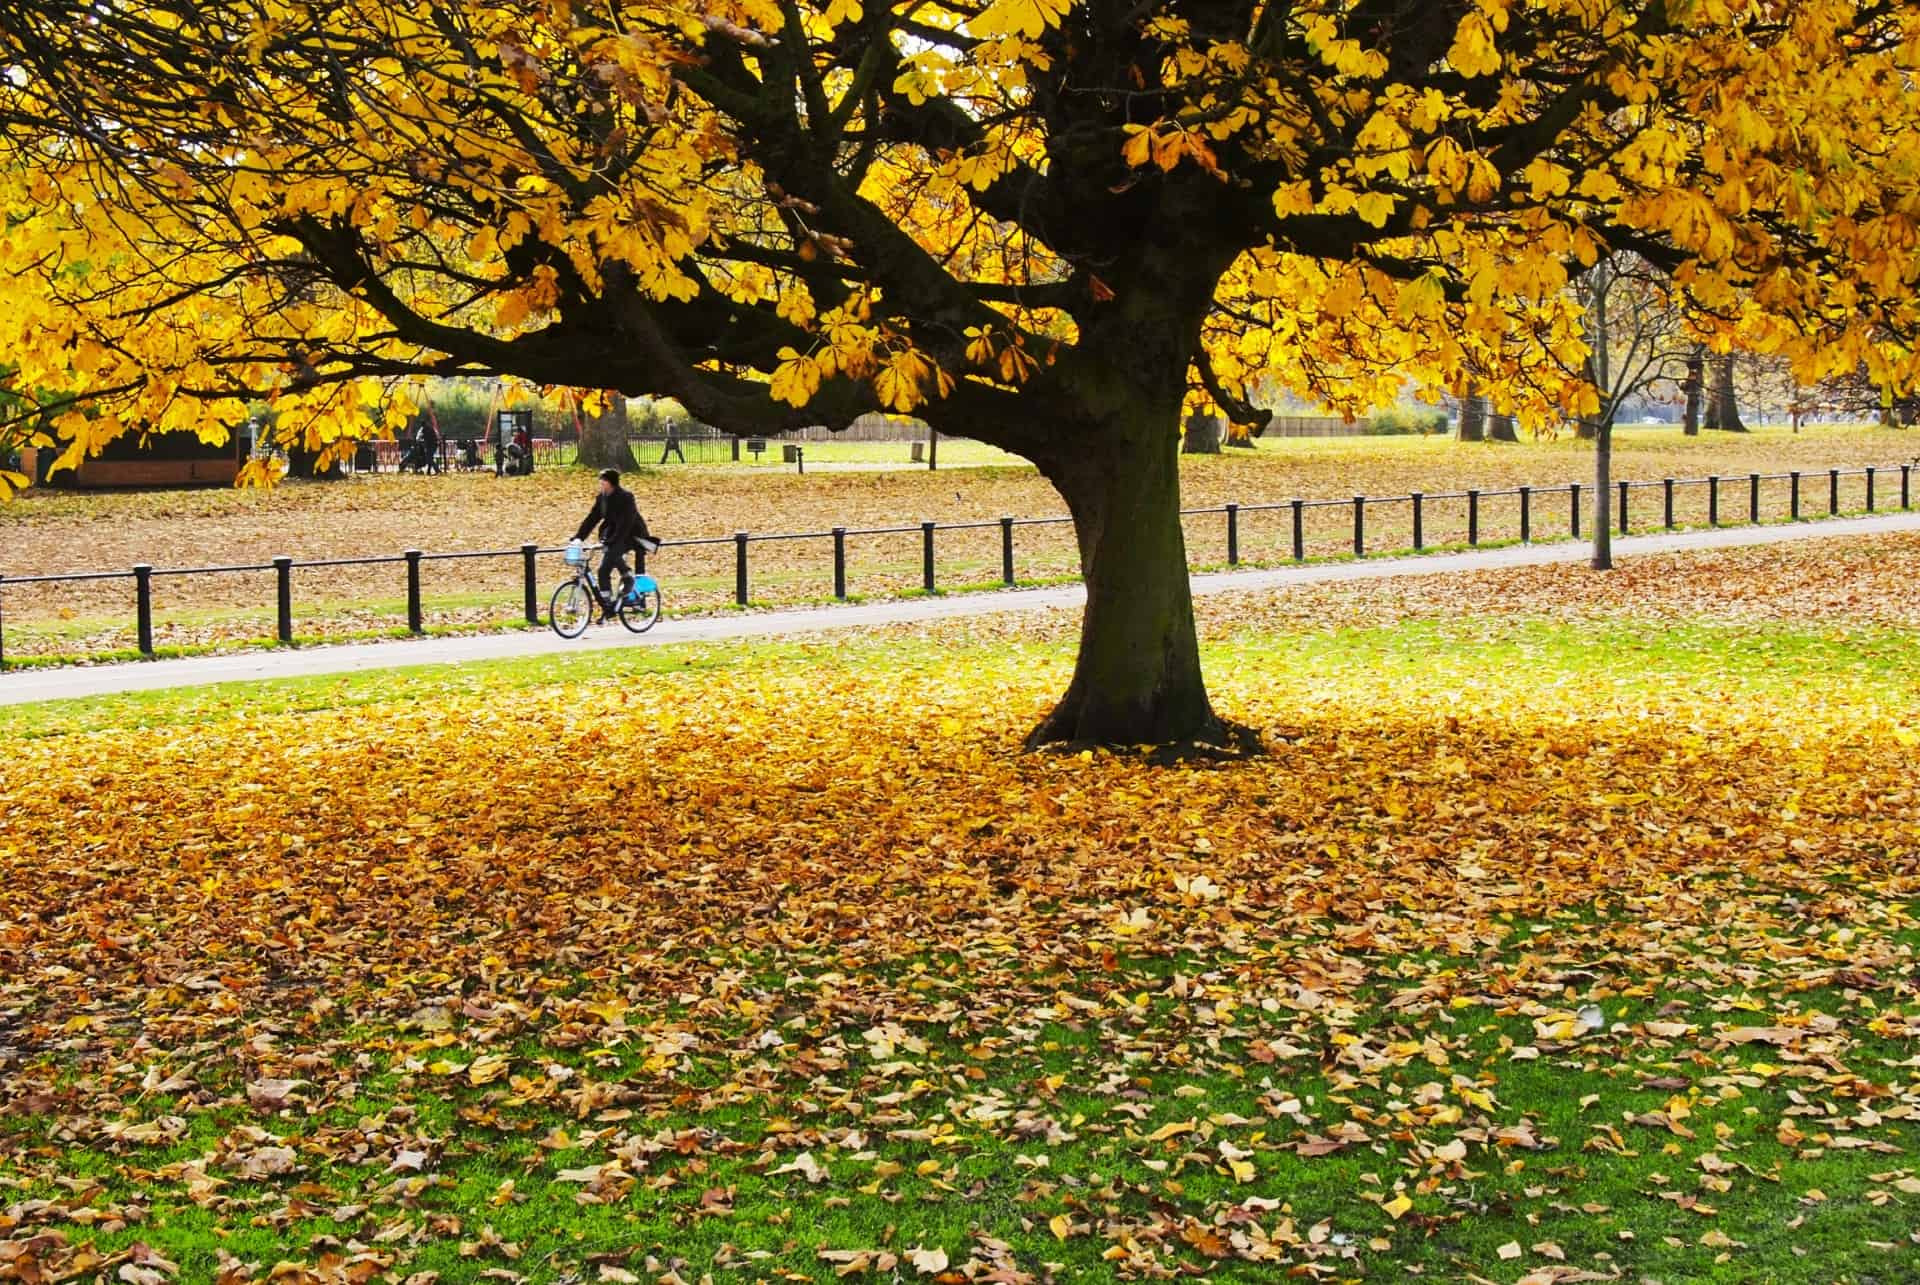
(612, 559)
(672, 448)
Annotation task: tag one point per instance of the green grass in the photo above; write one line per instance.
(897, 1193)
(1758, 663)
(1797, 1218)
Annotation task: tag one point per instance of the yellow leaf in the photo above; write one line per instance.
(1027, 18)
(1472, 53)
(487, 1069)
(1293, 198)
(1374, 209)
(796, 379)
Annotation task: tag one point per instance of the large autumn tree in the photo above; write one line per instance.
(1046, 224)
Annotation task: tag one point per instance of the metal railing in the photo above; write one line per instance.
(1526, 500)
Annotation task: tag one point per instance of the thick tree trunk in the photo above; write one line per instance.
(1603, 496)
(1723, 407)
(303, 463)
(1695, 382)
(603, 438)
(1473, 417)
(1137, 680)
(1203, 435)
(1501, 428)
(1113, 453)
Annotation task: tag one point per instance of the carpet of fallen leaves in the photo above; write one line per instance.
(1845, 582)
(384, 515)
(798, 973)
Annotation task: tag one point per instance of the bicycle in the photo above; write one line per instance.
(570, 609)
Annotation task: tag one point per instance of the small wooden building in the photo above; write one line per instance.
(164, 459)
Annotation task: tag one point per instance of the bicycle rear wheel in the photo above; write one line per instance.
(570, 610)
(643, 614)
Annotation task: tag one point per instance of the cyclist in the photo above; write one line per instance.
(617, 514)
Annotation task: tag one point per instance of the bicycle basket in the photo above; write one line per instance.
(575, 554)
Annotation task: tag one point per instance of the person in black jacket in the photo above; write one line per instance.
(429, 443)
(622, 528)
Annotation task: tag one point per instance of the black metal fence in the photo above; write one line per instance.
(1529, 507)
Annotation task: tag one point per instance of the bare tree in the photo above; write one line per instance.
(1637, 337)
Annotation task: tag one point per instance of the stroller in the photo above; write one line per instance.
(418, 457)
(516, 460)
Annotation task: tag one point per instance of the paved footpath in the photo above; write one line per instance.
(57, 684)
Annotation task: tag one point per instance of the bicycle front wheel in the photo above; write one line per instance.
(571, 609)
(642, 614)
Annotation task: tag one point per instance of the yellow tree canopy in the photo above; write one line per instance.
(753, 205)
(1049, 224)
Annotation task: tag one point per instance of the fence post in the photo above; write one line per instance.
(1833, 492)
(1473, 517)
(1906, 486)
(529, 571)
(1623, 507)
(143, 607)
(1233, 535)
(1006, 550)
(1753, 498)
(1869, 488)
(840, 563)
(1666, 487)
(1299, 531)
(1526, 515)
(740, 568)
(926, 556)
(415, 623)
(1419, 531)
(1359, 526)
(1713, 499)
(283, 575)
(1793, 495)
(1573, 490)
